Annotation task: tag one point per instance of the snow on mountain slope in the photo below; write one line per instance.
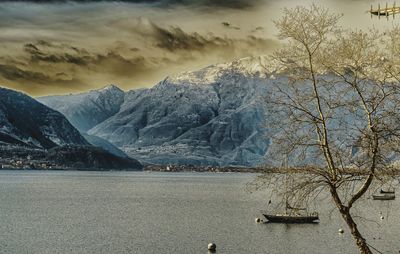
(23, 120)
(86, 110)
(250, 66)
(214, 116)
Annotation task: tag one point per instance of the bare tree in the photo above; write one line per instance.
(336, 107)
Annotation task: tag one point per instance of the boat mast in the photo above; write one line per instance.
(286, 183)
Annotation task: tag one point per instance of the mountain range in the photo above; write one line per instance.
(23, 120)
(30, 129)
(213, 116)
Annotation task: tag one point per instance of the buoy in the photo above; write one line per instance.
(341, 231)
(258, 220)
(212, 246)
(382, 217)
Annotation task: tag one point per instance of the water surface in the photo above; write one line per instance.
(180, 213)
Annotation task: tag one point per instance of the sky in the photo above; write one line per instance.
(52, 47)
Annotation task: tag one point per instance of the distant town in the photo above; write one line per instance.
(19, 164)
(14, 157)
(63, 158)
(194, 168)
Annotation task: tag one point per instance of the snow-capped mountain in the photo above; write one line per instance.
(23, 120)
(86, 110)
(261, 67)
(213, 116)
(36, 135)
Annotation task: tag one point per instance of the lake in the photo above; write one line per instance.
(141, 212)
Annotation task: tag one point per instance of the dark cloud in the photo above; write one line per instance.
(229, 25)
(14, 73)
(78, 57)
(157, 52)
(258, 29)
(44, 52)
(174, 39)
(234, 4)
(118, 65)
(28, 79)
(63, 66)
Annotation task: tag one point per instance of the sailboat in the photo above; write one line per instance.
(292, 214)
(385, 195)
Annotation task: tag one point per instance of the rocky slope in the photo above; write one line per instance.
(218, 124)
(86, 110)
(33, 134)
(214, 116)
(23, 120)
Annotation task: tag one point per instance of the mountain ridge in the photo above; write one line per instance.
(33, 135)
(26, 120)
(85, 110)
(207, 117)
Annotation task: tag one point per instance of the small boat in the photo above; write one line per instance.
(384, 197)
(291, 214)
(387, 191)
(292, 218)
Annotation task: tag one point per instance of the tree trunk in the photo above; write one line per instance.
(345, 212)
(360, 241)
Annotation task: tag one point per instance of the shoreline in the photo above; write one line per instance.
(152, 168)
(201, 169)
